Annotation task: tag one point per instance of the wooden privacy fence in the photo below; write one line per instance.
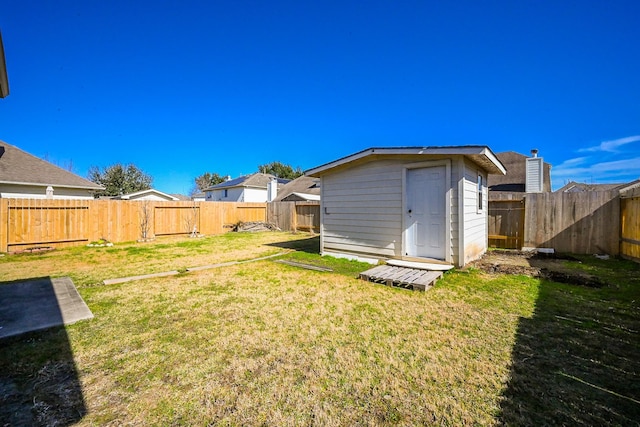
(582, 222)
(630, 227)
(506, 224)
(28, 223)
(295, 216)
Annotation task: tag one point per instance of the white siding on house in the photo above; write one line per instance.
(257, 195)
(237, 194)
(233, 195)
(40, 192)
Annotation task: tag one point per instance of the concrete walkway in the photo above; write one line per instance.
(39, 304)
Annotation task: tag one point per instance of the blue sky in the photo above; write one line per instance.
(180, 88)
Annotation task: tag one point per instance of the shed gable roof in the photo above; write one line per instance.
(480, 154)
(20, 167)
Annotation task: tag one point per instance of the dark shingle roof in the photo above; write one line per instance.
(303, 184)
(257, 180)
(20, 167)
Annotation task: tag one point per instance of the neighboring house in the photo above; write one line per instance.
(412, 203)
(247, 188)
(25, 176)
(301, 189)
(150, 195)
(513, 185)
(199, 197)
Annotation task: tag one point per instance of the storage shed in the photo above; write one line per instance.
(410, 203)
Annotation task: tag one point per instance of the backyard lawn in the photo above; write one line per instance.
(264, 343)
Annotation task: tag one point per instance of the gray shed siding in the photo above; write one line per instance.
(362, 208)
(475, 227)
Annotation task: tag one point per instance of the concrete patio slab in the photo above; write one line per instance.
(39, 304)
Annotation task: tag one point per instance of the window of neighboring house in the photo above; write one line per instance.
(480, 201)
(226, 194)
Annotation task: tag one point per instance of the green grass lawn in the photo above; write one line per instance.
(269, 344)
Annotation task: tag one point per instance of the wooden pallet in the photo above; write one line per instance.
(409, 278)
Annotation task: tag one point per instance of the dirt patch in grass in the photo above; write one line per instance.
(545, 266)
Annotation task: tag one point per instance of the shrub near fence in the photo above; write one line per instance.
(29, 223)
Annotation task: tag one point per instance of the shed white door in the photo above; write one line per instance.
(425, 212)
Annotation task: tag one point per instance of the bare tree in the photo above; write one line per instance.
(145, 219)
(191, 220)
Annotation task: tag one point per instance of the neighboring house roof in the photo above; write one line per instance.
(304, 187)
(182, 197)
(256, 180)
(579, 187)
(480, 154)
(198, 196)
(20, 167)
(146, 193)
(515, 179)
(302, 197)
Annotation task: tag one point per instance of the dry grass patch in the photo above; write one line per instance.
(267, 343)
(270, 344)
(86, 265)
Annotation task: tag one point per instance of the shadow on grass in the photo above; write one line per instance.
(309, 245)
(576, 361)
(39, 382)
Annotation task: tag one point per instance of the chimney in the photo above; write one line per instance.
(272, 189)
(534, 173)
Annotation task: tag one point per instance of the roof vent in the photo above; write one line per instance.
(534, 152)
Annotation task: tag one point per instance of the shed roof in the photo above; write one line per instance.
(20, 167)
(480, 154)
(256, 180)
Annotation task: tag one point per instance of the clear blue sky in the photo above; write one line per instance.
(180, 88)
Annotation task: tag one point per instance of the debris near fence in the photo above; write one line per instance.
(254, 226)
